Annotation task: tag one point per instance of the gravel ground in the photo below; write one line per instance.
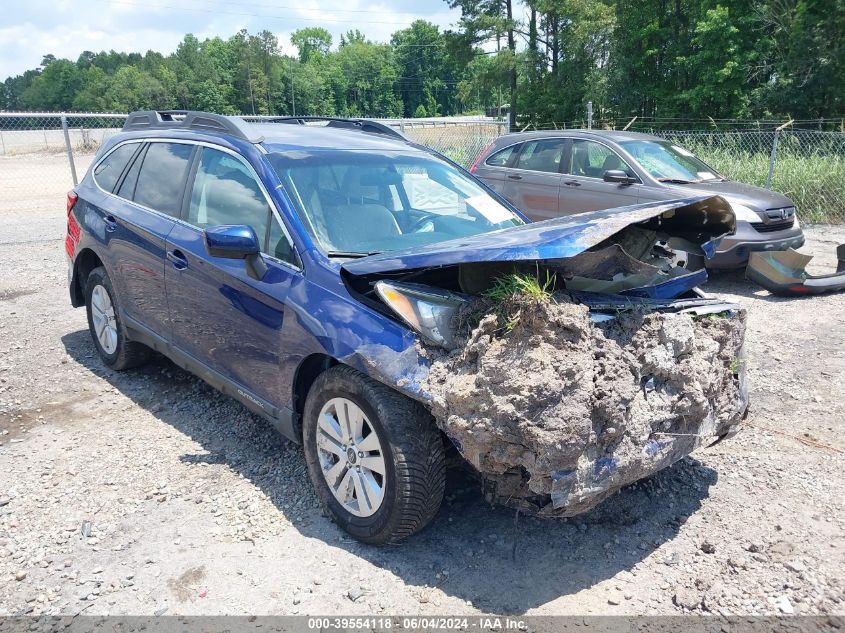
(146, 492)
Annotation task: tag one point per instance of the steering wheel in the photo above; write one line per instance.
(418, 225)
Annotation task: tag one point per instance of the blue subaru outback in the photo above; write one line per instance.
(296, 267)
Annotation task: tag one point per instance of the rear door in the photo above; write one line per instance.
(221, 315)
(494, 169)
(583, 187)
(146, 195)
(534, 183)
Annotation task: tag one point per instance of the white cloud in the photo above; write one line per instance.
(65, 28)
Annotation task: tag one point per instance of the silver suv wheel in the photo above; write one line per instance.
(351, 457)
(102, 314)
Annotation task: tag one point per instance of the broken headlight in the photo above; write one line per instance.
(427, 310)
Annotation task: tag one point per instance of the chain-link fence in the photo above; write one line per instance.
(40, 152)
(41, 155)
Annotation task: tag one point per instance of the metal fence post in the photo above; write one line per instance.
(2, 142)
(69, 150)
(772, 159)
(589, 115)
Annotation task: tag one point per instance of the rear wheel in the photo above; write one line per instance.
(374, 456)
(104, 324)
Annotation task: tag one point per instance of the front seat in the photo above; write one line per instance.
(359, 225)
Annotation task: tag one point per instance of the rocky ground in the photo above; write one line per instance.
(146, 492)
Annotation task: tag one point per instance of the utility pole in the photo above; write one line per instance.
(292, 94)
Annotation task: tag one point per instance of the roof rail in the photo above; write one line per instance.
(191, 120)
(361, 125)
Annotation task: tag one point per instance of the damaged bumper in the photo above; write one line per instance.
(784, 273)
(625, 369)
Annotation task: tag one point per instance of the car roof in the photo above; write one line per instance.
(277, 133)
(616, 136)
(282, 137)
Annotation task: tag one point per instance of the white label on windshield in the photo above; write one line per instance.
(706, 175)
(682, 151)
(489, 208)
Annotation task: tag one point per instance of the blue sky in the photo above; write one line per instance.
(29, 29)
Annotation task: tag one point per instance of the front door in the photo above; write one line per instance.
(583, 187)
(222, 316)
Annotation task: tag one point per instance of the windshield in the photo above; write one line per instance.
(357, 203)
(669, 163)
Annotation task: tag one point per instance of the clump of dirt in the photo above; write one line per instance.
(557, 411)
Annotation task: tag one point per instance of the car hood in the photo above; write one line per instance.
(702, 220)
(753, 197)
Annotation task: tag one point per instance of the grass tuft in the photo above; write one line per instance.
(522, 285)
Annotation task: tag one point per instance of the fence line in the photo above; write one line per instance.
(806, 165)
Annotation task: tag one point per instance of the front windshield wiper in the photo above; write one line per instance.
(350, 254)
(676, 181)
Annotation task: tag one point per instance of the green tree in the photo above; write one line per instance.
(311, 41)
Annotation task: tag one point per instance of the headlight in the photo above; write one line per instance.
(744, 213)
(427, 310)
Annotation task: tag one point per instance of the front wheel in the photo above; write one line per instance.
(374, 456)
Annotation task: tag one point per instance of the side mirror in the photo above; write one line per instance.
(618, 176)
(236, 241)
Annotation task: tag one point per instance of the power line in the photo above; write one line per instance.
(286, 18)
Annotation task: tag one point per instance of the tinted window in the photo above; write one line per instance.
(278, 244)
(542, 155)
(592, 159)
(108, 171)
(225, 192)
(501, 158)
(127, 187)
(162, 177)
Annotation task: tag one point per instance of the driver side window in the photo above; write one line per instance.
(590, 159)
(226, 192)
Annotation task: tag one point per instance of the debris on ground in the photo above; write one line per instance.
(557, 410)
(784, 273)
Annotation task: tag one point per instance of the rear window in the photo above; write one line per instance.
(501, 158)
(161, 181)
(109, 170)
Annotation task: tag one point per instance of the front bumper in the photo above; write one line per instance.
(734, 250)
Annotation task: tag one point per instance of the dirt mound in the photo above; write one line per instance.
(557, 411)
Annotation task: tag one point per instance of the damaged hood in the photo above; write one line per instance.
(703, 220)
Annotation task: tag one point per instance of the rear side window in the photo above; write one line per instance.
(109, 170)
(501, 158)
(161, 180)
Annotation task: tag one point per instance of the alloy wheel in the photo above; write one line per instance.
(351, 457)
(102, 314)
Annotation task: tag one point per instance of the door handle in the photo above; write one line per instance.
(514, 176)
(178, 260)
(572, 183)
(110, 222)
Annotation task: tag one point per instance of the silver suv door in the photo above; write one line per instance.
(494, 169)
(583, 187)
(534, 182)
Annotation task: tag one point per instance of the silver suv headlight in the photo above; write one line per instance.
(429, 311)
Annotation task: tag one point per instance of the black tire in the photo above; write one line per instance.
(414, 456)
(127, 353)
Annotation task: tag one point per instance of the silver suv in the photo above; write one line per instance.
(553, 173)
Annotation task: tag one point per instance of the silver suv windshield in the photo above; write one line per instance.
(361, 202)
(668, 162)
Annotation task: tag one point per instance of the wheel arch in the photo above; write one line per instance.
(86, 261)
(309, 368)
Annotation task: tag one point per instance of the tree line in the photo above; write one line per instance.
(544, 58)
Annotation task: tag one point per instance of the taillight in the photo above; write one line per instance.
(73, 229)
(71, 200)
(481, 157)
